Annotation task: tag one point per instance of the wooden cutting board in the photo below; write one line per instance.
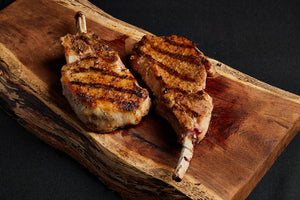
(251, 123)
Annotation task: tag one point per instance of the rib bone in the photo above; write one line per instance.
(80, 23)
(175, 70)
(184, 159)
(100, 89)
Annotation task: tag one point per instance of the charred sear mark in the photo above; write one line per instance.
(172, 71)
(85, 97)
(191, 59)
(167, 68)
(122, 105)
(103, 72)
(185, 109)
(179, 91)
(172, 42)
(137, 91)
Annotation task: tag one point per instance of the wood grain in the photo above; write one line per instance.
(252, 122)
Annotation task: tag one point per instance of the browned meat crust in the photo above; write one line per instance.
(175, 70)
(100, 89)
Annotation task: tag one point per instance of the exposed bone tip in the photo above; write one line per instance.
(78, 14)
(176, 178)
(80, 22)
(184, 159)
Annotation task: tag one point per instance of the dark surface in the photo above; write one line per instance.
(259, 38)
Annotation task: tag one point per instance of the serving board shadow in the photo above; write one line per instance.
(252, 122)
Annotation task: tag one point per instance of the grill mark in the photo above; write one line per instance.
(187, 110)
(172, 71)
(180, 92)
(137, 91)
(182, 108)
(186, 58)
(103, 72)
(172, 42)
(123, 105)
(165, 67)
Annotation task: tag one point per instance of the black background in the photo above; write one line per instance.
(259, 38)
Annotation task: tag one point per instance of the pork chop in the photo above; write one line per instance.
(100, 89)
(175, 70)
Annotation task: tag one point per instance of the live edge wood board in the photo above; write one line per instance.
(251, 122)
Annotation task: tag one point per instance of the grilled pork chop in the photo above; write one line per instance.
(100, 89)
(175, 70)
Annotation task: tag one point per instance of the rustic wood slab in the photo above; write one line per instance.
(252, 122)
